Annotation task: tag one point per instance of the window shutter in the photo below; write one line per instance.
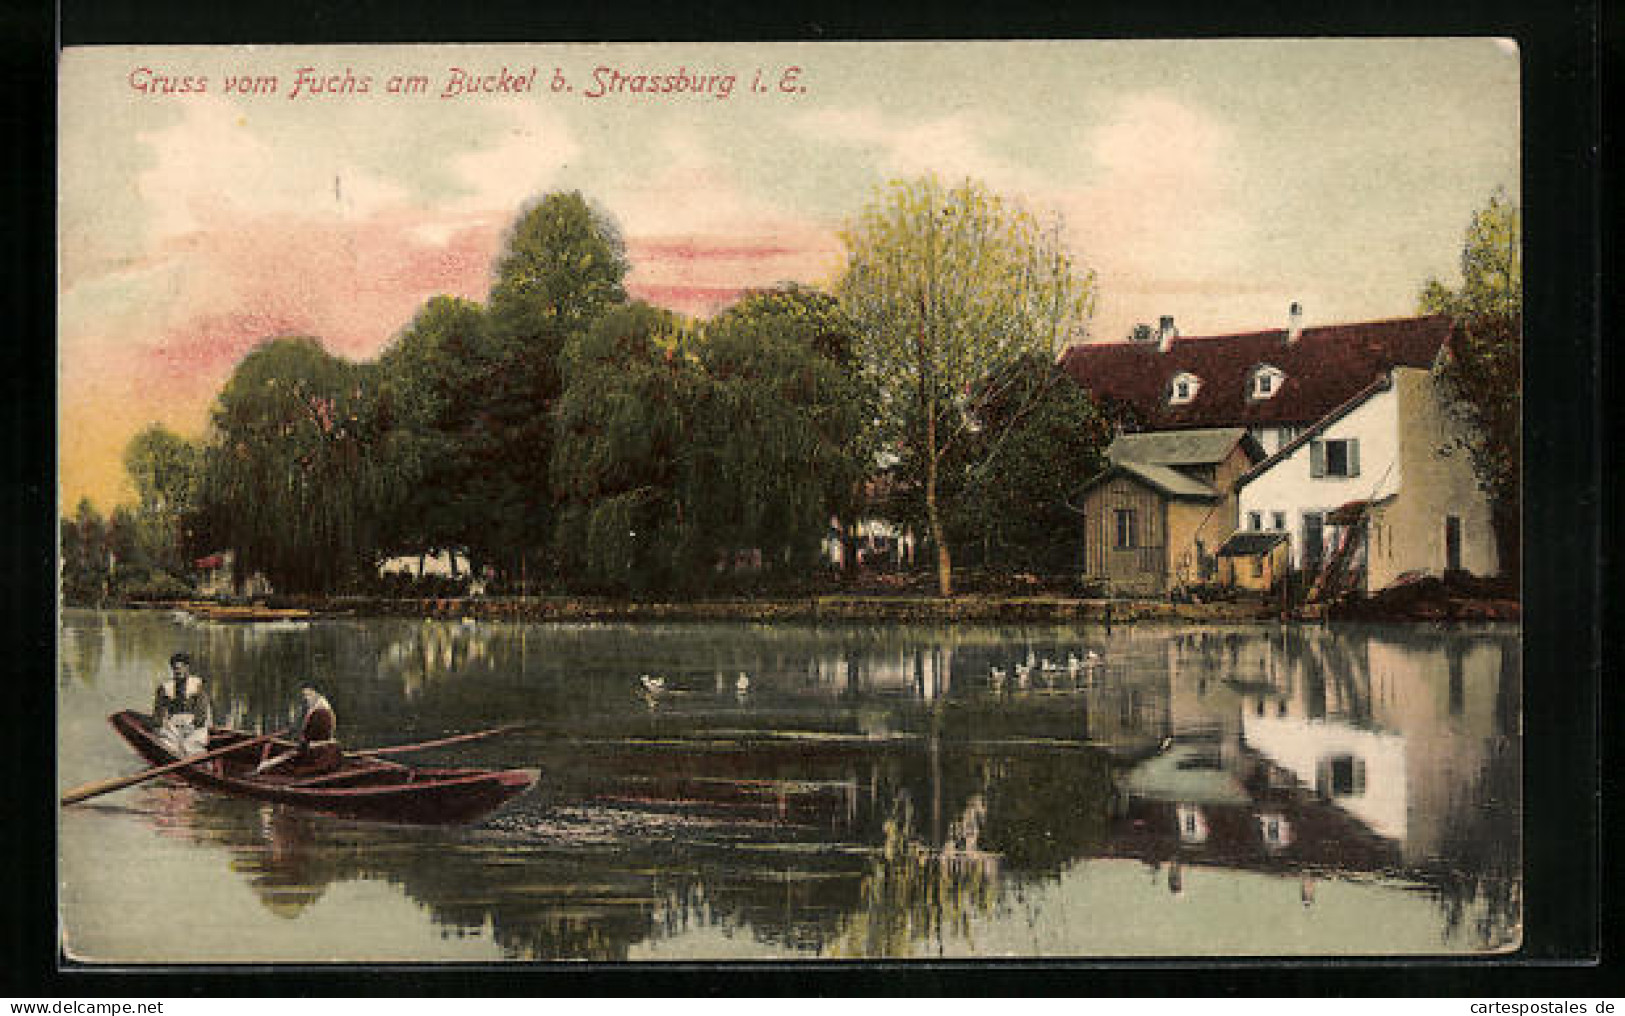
(1354, 456)
(1317, 458)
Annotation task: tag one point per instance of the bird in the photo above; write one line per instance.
(996, 676)
(1049, 666)
(652, 685)
(743, 684)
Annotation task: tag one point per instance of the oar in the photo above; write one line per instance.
(90, 790)
(442, 742)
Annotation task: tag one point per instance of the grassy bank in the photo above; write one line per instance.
(894, 609)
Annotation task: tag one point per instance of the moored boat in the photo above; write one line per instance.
(361, 787)
(253, 614)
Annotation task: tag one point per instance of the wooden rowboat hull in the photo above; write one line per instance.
(360, 788)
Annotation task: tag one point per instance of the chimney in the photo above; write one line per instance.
(1294, 322)
(1165, 333)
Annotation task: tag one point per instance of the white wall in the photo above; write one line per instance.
(1287, 485)
(1272, 437)
(433, 564)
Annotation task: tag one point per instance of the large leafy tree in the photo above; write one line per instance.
(299, 467)
(1037, 434)
(944, 284)
(561, 269)
(624, 431)
(1484, 365)
(779, 427)
(164, 468)
(433, 382)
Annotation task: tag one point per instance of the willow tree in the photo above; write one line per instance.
(622, 433)
(943, 285)
(298, 466)
(778, 427)
(1484, 369)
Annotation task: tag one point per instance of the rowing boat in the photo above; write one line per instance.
(361, 787)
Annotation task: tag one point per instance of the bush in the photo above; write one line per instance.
(154, 585)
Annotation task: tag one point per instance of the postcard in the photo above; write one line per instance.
(790, 501)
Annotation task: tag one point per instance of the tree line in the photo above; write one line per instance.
(561, 436)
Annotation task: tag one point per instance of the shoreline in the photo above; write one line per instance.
(889, 609)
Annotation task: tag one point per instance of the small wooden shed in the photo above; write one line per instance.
(1253, 559)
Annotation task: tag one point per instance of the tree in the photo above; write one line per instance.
(778, 444)
(164, 468)
(85, 565)
(1483, 370)
(943, 285)
(1038, 433)
(298, 469)
(623, 430)
(433, 382)
(561, 269)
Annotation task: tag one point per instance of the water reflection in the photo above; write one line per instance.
(869, 792)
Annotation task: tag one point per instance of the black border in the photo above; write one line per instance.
(1565, 480)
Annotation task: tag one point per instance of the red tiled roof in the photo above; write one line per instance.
(1324, 368)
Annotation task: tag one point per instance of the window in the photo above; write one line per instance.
(1340, 776)
(1278, 520)
(1258, 566)
(1183, 388)
(1314, 540)
(1264, 382)
(1123, 519)
(1192, 823)
(1339, 458)
(1255, 521)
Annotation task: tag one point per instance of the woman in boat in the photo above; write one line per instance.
(316, 726)
(181, 711)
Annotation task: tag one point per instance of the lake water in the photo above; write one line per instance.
(866, 792)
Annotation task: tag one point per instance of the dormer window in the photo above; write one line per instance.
(1264, 382)
(1183, 388)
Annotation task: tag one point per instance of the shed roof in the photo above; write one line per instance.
(1169, 482)
(1176, 447)
(1251, 543)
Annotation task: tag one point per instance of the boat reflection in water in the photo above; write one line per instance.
(882, 793)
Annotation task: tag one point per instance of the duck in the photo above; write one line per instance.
(652, 685)
(743, 684)
(1049, 666)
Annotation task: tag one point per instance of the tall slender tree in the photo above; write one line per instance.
(1484, 368)
(943, 284)
(561, 269)
(164, 468)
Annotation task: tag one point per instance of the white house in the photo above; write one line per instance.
(1391, 456)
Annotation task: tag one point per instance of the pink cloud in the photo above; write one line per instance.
(696, 301)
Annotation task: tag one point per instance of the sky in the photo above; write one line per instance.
(213, 197)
